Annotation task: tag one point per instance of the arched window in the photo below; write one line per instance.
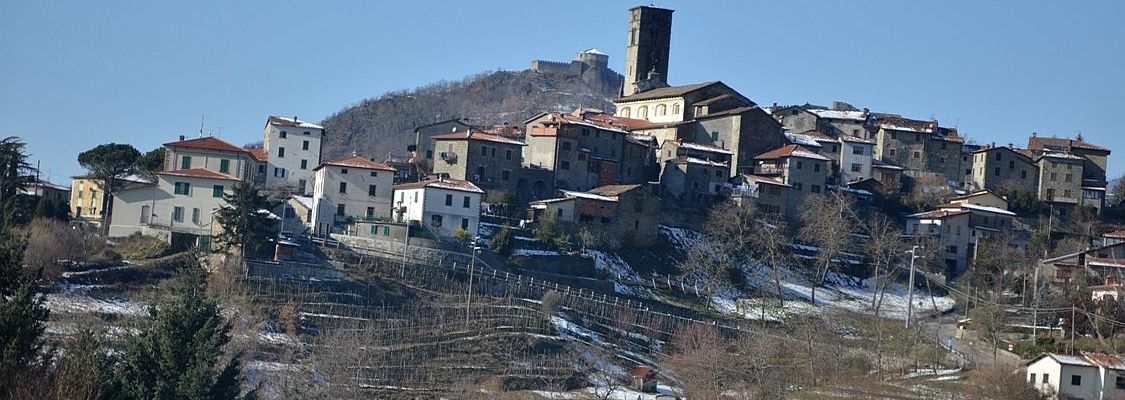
(676, 109)
(642, 112)
(624, 112)
(661, 109)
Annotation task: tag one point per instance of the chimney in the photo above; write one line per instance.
(182, 138)
(295, 118)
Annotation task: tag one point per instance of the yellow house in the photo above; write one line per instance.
(86, 196)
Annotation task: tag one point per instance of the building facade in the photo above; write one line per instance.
(293, 150)
(350, 189)
(443, 205)
(489, 161)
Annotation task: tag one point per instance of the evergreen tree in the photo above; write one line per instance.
(15, 175)
(22, 312)
(151, 163)
(109, 163)
(178, 356)
(246, 224)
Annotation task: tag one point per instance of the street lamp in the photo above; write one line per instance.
(910, 289)
(472, 263)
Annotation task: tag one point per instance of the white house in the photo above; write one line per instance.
(179, 206)
(353, 187)
(1089, 376)
(442, 205)
(856, 155)
(292, 148)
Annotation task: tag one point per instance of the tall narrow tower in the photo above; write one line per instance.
(650, 33)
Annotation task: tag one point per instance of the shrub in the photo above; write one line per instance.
(502, 241)
(462, 236)
(50, 240)
(141, 247)
(106, 256)
(551, 302)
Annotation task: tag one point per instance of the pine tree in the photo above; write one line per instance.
(15, 175)
(178, 356)
(245, 223)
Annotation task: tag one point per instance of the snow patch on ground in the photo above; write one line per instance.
(532, 253)
(920, 372)
(620, 271)
(76, 299)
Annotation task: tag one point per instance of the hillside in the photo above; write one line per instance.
(383, 125)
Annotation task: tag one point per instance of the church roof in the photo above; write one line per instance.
(670, 91)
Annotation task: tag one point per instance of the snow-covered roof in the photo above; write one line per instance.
(595, 51)
(700, 161)
(287, 121)
(802, 139)
(305, 201)
(703, 147)
(584, 195)
(837, 114)
(978, 207)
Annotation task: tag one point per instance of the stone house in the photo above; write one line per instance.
(350, 189)
(769, 193)
(803, 170)
(1106, 262)
(490, 161)
(442, 205)
(587, 149)
(840, 120)
(890, 176)
(902, 142)
(996, 167)
(1083, 376)
(293, 150)
(1094, 156)
(424, 152)
(952, 230)
(1060, 178)
(625, 215)
(691, 182)
(943, 156)
(983, 198)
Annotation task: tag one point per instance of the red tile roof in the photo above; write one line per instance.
(198, 173)
(259, 153)
(613, 190)
(939, 214)
(355, 161)
(790, 150)
(208, 143)
(444, 183)
(477, 135)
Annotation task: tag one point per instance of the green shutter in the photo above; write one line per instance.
(217, 191)
(386, 230)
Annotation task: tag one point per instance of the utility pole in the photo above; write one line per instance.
(472, 264)
(405, 249)
(1035, 301)
(910, 288)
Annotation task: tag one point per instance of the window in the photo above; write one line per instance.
(661, 109)
(465, 202)
(1023, 174)
(386, 230)
(340, 210)
(304, 164)
(891, 152)
(464, 223)
(508, 154)
(370, 212)
(144, 213)
(217, 191)
(301, 185)
(183, 188)
(951, 249)
(642, 112)
(625, 112)
(564, 165)
(280, 152)
(675, 109)
(1050, 194)
(833, 149)
(858, 150)
(305, 145)
(1054, 176)
(224, 166)
(185, 162)
(195, 216)
(343, 171)
(262, 169)
(505, 174)
(306, 133)
(996, 171)
(178, 214)
(374, 174)
(1066, 193)
(1119, 381)
(816, 167)
(370, 190)
(493, 152)
(484, 150)
(715, 136)
(799, 165)
(857, 167)
(814, 188)
(1046, 377)
(797, 186)
(917, 154)
(430, 154)
(343, 187)
(435, 220)
(283, 134)
(449, 200)
(566, 145)
(480, 173)
(1076, 380)
(1067, 177)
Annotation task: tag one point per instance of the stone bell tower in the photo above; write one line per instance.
(646, 54)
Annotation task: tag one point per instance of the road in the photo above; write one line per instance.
(972, 352)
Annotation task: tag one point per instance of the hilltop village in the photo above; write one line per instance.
(689, 200)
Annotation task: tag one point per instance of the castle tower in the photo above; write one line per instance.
(650, 33)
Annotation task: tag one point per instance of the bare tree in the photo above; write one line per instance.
(883, 246)
(770, 243)
(827, 224)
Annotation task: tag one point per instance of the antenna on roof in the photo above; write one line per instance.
(200, 125)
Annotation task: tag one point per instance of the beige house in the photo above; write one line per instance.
(994, 167)
(1090, 376)
(86, 196)
(350, 189)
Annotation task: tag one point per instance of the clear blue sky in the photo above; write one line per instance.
(76, 74)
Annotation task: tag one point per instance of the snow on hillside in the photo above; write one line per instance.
(77, 299)
(759, 299)
(620, 271)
